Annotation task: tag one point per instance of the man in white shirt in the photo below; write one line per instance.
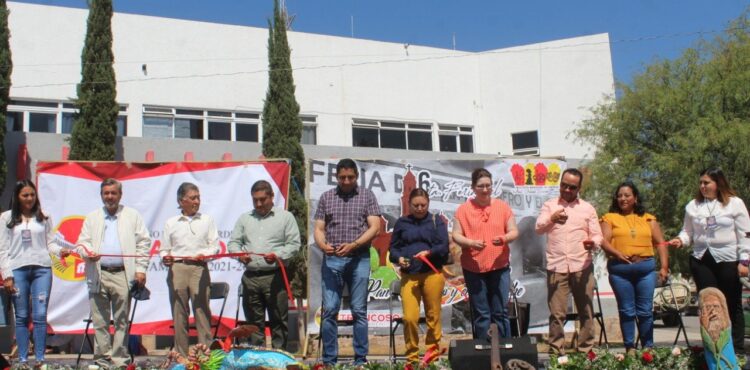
(190, 236)
(113, 230)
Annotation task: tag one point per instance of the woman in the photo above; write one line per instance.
(484, 228)
(25, 246)
(630, 235)
(716, 223)
(420, 234)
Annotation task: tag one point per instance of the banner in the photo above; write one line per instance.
(525, 184)
(70, 190)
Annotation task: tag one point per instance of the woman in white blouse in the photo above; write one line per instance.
(26, 242)
(716, 224)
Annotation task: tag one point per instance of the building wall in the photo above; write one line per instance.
(546, 87)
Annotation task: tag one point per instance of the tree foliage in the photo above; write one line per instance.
(282, 131)
(6, 67)
(675, 119)
(95, 128)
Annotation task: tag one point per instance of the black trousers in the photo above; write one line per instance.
(723, 275)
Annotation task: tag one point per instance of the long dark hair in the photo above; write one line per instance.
(15, 205)
(638, 207)
(723, 190)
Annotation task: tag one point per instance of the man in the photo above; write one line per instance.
(190, 234)
(346, 221)
(113, 230)
(572, 229)
(270, 235)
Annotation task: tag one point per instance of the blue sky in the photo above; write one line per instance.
(640, 30)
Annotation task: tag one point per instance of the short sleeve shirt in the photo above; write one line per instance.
(484, 223)
(631, 234)
(345, 214)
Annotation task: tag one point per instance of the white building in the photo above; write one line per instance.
(188, 79)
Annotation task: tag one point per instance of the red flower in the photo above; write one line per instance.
(591, 355)
(318, 366)
(130, 367)
(409, 366)
(647, 357)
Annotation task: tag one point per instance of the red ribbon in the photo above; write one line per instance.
(424, 259)
(212, 256)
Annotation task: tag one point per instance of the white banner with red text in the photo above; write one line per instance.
(70, 190)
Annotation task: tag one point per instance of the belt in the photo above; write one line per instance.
(113, 269)
(636, 258)
(192, 262)
(261, 272)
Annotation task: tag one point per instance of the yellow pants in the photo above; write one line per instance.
(427, 287)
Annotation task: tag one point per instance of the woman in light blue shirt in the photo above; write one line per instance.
(26, 242)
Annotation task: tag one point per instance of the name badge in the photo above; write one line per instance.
(711, 223)
(26, 236)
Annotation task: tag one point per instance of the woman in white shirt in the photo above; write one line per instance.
(26, 242)
(716, 224)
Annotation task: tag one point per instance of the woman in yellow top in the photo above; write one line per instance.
(630, 235)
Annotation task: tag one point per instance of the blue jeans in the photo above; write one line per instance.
(34, 284)
(488, 295)
(355, 272)
(634, 286)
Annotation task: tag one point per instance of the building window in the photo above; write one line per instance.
(42, 122)
(51, 117)
(14, 121)
(525, 143)
(456, 138)
(393, 135)
(195, 123)
(309, 130)
(219, 130)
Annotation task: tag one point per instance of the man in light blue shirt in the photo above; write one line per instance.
(112, 230)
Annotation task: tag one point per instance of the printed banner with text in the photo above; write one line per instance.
(524, 183)
(70, 190)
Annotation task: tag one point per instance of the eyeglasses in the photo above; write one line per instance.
(568, 186)
(346, 177)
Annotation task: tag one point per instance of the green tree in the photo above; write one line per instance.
(95, 128)
(282, 131)
(6, 67)
(675, 119)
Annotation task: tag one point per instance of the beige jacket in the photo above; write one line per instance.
(134, 240)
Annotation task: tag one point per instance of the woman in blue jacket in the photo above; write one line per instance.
(420, 234)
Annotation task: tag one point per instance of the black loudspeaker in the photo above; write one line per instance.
(474, 354)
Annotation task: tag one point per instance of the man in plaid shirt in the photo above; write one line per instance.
(346, 221)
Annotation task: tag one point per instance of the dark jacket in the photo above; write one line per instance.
(411, 236)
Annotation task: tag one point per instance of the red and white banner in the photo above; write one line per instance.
(70, 190)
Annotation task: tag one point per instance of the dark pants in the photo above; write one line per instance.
(261, 291)
(488, 295)
(722, 275)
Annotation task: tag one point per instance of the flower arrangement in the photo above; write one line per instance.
(653, 358)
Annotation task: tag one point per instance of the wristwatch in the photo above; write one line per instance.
(745, 259)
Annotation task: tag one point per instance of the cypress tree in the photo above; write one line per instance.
(282, 131)
(6, 67)
(94, 131)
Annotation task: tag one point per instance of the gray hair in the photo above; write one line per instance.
(109, 182)
(184, 188)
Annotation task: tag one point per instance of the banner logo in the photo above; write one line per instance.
(73, 268)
